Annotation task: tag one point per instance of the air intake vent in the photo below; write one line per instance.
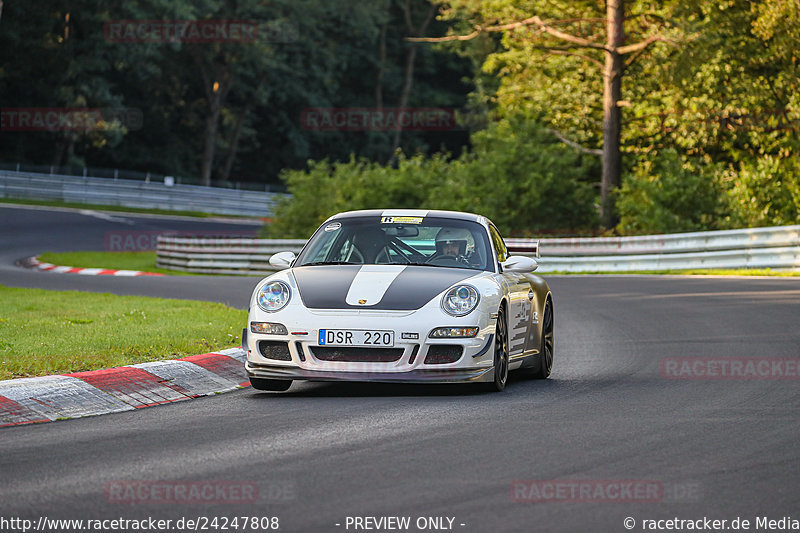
(414, 353)
(440, 354)
(357, 355)
(275, 350)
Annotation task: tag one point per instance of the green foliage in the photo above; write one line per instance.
(517, 174)
(525, 179)
(710, 118)
(309, 53)
(327, 188)
(669, 192)
(765, 192)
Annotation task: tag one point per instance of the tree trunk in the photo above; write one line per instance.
(411, 57)
(408, 83)
(234, 145)
(381, 68)
(217, 82)
(58, 154)
(237, 132)
(210, 142)
(612, 113)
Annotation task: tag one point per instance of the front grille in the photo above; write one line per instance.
(439, 354)
(356, 355)
(275, 350)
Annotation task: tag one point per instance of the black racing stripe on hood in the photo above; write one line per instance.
(416, 285)
(325, 286)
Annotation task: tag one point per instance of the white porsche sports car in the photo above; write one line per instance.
(400, 296)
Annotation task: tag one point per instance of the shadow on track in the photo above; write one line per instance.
(322, 389)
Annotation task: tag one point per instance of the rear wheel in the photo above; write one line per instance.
(500, 353)
(545, 363)
(271, 384)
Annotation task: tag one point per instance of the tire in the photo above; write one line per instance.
(500, 354)
(277, 385)
(544, 364)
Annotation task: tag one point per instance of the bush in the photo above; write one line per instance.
(765, 192)
(327, 188)
(526, 180)
(517, 174)
(669, 192)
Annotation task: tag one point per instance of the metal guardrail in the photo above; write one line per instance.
(699, 241)
(221, 256)
(776, 247)
(136, 193)
(777, 258)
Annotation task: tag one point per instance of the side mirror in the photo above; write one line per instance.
(520, 264)
(282, 260)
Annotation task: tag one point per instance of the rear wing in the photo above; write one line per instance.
(524, 246)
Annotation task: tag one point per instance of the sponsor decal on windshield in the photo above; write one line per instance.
(401, 220)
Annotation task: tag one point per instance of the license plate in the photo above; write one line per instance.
(355, 337)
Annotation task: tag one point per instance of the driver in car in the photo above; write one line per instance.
(452, 242)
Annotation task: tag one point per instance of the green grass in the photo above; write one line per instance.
(118, 208)
(144, 261)
(52, 332)
(693, 272)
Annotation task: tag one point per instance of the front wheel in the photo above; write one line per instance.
(277, 385)
(500, 354)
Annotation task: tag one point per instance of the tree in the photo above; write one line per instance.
(411, 55)
(713, 128)
(47, 61)
(228, 111)
(592, 35)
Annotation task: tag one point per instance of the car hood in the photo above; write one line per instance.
(389, 287)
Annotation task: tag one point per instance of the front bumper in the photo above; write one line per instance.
(423, 375)
(302, 362)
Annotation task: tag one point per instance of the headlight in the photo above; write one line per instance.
(273, 296)
(460, 300)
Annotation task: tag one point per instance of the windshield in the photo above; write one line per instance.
(427, 241)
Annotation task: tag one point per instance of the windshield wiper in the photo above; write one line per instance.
(411, 263)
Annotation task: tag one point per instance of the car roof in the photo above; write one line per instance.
(456, 215)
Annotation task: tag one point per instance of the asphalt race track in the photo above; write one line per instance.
(25, 232)
(610, 416)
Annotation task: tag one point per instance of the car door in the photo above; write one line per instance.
(520, 296)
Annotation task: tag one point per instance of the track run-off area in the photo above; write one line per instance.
(671, 398)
